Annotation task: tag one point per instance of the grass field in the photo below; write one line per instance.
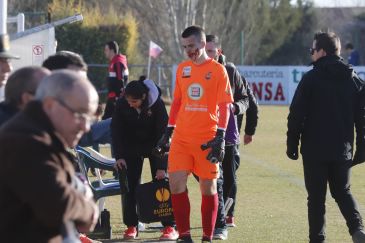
(271, 198)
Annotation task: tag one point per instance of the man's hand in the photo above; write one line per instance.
(120, 163)
(216, 154)
(163, 145)
(247, 139)
(160, 174)
(292, 152)
(89, 226)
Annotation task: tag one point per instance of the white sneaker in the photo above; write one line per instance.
(141, 226)
(220, 234)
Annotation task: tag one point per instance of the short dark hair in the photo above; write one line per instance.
(62, 59)
(329, 42)
(23, 80)
(214, 39)
(194, 30)
(113, 45)
(349, 46)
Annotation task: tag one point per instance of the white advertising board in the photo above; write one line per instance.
(268, 83)
(275, 85)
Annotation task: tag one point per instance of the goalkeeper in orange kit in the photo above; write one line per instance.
(202, 91)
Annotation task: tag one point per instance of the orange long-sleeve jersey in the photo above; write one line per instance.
(198, 92)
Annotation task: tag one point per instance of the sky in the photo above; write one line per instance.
(339, 3)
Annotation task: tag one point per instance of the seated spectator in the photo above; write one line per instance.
(20, 89)
(100, 130)
(42, 202)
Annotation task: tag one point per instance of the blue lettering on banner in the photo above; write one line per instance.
(297, 75)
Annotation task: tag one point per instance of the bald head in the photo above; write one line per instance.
(22, 85)
(70, 102)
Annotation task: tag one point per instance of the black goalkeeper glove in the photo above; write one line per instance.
(163, 145)
(217, 144)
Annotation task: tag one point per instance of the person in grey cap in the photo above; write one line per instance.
(5, 65)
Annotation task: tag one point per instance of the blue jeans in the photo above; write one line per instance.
(100, 133)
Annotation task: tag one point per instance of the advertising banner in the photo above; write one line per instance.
(275, 85)
(268, 83)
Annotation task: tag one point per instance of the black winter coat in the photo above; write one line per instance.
(328, 103)
(136, 133)
(244, 100)
(239, 90)
(37, 195)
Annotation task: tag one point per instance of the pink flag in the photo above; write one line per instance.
(155, 49)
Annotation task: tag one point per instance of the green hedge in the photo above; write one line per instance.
(90, 42)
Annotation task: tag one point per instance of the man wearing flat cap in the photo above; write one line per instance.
(5, 65)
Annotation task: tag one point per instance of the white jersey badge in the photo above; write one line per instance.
(195, 91)
(186, 72)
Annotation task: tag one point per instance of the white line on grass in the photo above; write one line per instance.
(295, 180)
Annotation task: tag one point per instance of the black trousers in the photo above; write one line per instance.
(231, 163)
(337, 174)
(227, 183)
(134, 172)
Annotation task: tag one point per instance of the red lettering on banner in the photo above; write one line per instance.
(266, 91)
(279, 93)
(268, 95)
(257, 91)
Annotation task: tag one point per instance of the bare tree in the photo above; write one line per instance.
(164, 20)
(265, 24)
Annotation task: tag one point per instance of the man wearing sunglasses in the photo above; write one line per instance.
(328, 104)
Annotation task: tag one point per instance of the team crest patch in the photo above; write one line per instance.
(195, 91)
(186, 72)
(208, 75)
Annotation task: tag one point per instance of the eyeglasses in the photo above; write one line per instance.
(311, 51)
(80, 116)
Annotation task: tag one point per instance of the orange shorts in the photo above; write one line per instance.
(189, 157)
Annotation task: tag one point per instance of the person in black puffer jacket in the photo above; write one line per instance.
(328, 103)
(138, 122)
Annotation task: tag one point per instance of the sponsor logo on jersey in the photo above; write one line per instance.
(186, 72)
(208, 75)
(195, 91)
